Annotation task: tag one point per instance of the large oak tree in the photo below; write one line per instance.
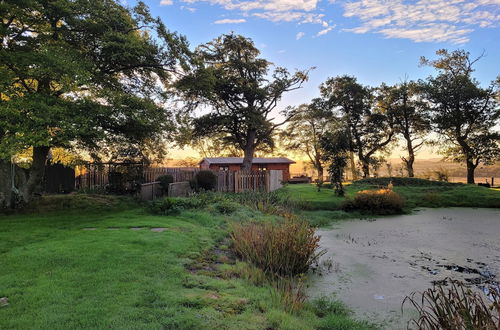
(239, 91)
(464, 114)
(79, 73)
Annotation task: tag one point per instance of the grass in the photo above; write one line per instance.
(322, 208)
(57, 275)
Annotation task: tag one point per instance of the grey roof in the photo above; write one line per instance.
(256, 160)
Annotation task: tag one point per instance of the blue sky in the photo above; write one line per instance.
(374, 40)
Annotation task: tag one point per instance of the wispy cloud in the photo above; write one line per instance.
(424, 20)
(417, 20)
(299, 35)
(230, 21)
(325, 31)
(298, 11)
(166, 2)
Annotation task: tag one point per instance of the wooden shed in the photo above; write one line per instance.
(258, 164)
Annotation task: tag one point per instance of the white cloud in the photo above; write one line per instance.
(424, 20)
(300, 35)
(325, 31)
(166, 2)
(230, 21)
(299, 11)
(417, 20)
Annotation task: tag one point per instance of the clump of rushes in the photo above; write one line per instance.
(455, 308)
(286, 248)
(381, 201)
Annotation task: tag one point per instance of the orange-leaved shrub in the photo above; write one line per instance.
(285, 248)
(381, 201)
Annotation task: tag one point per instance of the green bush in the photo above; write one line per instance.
(205, 180)
(287, 248)
(164, 206)
(381, 201)
(165, 180)
(226, 206)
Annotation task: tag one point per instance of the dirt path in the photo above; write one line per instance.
(377, 263)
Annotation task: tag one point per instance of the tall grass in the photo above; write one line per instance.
(284, 251)
(455, 308)
(287, 248)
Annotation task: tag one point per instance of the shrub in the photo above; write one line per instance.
(164, 206)
(456, 307)
(173, 205)
(165, 180)
(116, 183)
(206, 180)
(286, 248)
(226, 206)
(381, 201)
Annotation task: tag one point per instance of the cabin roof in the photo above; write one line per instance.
(239, 160)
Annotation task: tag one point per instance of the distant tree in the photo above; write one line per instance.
(335, 145)
(369, 131)
(235, 84)
(80, 73)
(463, 113)
(188, 162)
(409, 114)
(308, 122)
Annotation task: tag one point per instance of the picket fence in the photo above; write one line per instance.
(227, 181)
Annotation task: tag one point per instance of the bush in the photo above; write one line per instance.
(205, 180)
(165, 180)
(226, 207)
(382, 201)
(456, 307)
(116, 183)
(173, 205)
(287, 248)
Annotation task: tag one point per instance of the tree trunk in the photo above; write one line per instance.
(249, 150)
(411, 159)
(470, 171)
(5, 185)
(319, 169)
(365, 166)
(36, 172)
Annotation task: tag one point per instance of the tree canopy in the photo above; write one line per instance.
(82, 73)
(463, 113)
(240, 92)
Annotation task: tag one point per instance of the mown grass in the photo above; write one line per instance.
(56, 273)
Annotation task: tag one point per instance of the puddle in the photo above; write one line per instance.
(378, 263)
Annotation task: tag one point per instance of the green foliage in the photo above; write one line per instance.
(173, 205)
(464, 114)
(287, 248)
(455, 307)
(165, 180)
(226, 207)
(369, 130)
(336, 145)
(82, 74)
(382, 201)
(206, 180)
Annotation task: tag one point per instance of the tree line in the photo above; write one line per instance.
(450, 111)
(111, 81)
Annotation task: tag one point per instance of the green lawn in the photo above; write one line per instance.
(321, 208)
(58, 275)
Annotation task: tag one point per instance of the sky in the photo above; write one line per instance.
(374, 40)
